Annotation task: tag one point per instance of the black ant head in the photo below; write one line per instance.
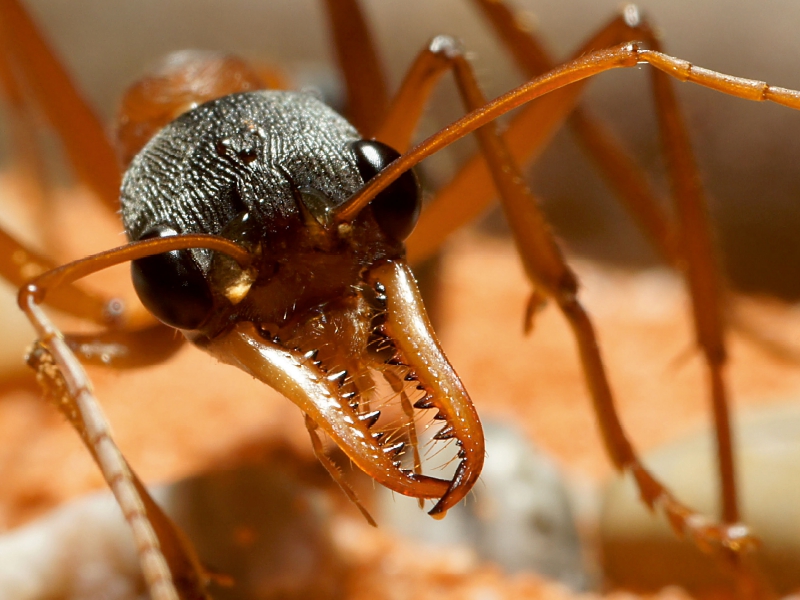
(326, 312)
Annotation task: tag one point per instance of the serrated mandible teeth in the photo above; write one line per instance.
(337, 376)
(426, 402)
(446, 433)
(370, 418)
(396, 448)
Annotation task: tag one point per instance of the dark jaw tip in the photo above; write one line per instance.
(454, 494)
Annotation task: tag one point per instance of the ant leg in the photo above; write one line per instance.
(617, 166)
(472, 190)
(170, 568)
(155, 536)
(409, 425)
(359, 63)
(128, 348)
(27, 157)
(18, 264)
(550, 275)
(701, 272)
(622, 56)
(79, 129)
(696, 257)
(333, 469)
(67, 386)
(698, 263)
(23, 53)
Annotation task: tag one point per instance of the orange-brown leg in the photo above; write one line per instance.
(617, 166)
(551, 276)
(359, 63)
(540, 254)
(155, 536)
(696, 257)
(168, 563)
(472, 190)
(29, 70)
(126, 348)
(89, 152)
(332, 468)
(621, 56)
(27, 155)
(702, 274)
(66, 385)
(18, 264)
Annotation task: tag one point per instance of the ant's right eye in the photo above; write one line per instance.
(172, 285)
(396, 208)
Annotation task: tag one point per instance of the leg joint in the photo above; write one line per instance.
(446, 46)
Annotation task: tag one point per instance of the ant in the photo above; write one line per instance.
(272, 233)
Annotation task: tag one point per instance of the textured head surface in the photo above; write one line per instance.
(241, 152)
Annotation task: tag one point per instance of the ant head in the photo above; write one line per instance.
(326, 311)
(266, 170)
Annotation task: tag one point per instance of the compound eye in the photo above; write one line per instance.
(172, 285)
(396, 208)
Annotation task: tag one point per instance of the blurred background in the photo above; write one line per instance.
(746, 151)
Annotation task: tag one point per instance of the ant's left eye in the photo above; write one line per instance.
(172, 285)
(396, 208)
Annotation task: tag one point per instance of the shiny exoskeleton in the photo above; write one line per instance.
(265, 169)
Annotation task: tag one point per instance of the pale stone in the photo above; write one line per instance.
(519, 514)
(641, 552)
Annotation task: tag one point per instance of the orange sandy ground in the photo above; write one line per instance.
(191, 414)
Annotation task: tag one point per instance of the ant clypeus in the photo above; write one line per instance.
(296, 270)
